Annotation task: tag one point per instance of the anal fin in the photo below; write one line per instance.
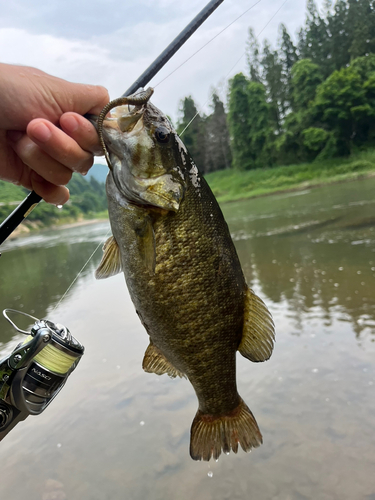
(154, 361)
(110, 265)
(258, 334)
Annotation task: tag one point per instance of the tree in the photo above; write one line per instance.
(337, 22)
(306, 77)
(288, 58)
(194, 134)
(272, 76)
(338, 102)
(217, 151)
(361, 27)
(316, 42)
(237, 122)
(260, 130)
(252, 56)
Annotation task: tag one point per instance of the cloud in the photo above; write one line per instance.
(111, 43)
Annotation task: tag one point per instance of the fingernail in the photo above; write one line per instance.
(14, 135)
(41, 132)
(70, 123)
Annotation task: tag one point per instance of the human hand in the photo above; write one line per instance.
(34, 151)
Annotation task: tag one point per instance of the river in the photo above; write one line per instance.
(115, 432)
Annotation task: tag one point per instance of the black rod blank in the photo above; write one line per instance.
(18, 215)
(173, 47)
(29, 203)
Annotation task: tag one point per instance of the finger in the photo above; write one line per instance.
(82, 131)
(59, 146)
(87, 98)
(39, 161)
(76, 97)
(57, 195)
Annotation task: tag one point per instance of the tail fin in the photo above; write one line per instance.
(210, 434)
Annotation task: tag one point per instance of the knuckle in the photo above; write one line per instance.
(64, 176)
(27, 151)
(84, 165)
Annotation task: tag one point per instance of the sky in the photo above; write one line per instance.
(111, 42)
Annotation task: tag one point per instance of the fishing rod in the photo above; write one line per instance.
(33, 374)
(32, 199)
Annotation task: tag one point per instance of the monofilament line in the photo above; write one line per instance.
(205, 45)
(80, 272)
(235, 64)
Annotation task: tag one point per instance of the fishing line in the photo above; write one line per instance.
(80, 272)
(205, 45)
(232, 68)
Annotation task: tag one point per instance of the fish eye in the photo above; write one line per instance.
(162, 135)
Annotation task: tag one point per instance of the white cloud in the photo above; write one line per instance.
(115, 58)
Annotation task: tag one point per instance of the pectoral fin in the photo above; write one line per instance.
(154, 361)
(258, 334)
(111, 260)
(146, 244)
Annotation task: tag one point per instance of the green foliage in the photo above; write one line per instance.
(259, 127)
(10, 192)
(194, 134)
(272, 77)
(87, 198)
(252, 56)
(315, 138)
(321, 97)
(217, 151)
(237, 121)
(305, 79)
(231, 185)
(288, 58)
(250, 124)
(206, 137)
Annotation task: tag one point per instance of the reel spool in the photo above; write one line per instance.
(36, 371)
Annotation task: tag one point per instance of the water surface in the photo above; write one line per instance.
(115, 432)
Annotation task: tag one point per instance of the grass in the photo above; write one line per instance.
(230, 185)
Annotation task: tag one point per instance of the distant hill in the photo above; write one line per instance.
(98, 172)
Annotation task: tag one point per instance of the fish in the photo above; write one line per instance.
(171, 241)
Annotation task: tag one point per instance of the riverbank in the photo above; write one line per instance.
(28, 227)
(231, 185)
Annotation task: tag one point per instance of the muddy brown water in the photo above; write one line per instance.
(116, 432)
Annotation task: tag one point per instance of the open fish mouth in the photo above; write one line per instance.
(126, 122)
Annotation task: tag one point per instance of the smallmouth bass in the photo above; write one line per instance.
(182, 270)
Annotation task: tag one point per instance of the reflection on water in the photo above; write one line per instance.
(37, 270)
(314, 251)
(115, 432)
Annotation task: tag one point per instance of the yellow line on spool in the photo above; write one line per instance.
(53, 359)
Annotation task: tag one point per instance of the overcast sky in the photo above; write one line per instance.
(111, 42)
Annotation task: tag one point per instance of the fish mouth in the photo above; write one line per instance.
(129, 122)
(122, 120)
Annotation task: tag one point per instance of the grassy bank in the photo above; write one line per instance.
(230, 185)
